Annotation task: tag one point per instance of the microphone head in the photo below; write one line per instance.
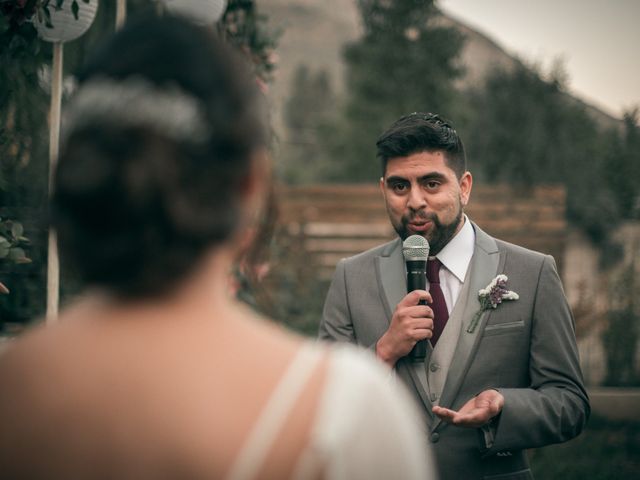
(415, 247)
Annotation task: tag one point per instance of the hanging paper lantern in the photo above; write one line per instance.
(64, 25)
(202, 12)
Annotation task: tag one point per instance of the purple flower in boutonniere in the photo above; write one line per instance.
(490, 297)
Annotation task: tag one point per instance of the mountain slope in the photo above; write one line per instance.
(314, 32)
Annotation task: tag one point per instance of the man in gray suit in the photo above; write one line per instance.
(501, 373)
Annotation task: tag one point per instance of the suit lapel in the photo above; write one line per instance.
(485, 265)
(392, 281)
(391, 276)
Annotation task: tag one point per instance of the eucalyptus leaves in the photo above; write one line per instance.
(12, 240)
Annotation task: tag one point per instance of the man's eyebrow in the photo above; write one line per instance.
(433, 176)
(395, 179)
(424, 178)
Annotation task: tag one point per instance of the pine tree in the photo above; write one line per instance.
(623, 161)
(525, 131)
(307, 112)
(404, 62)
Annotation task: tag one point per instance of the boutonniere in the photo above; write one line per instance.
(491, 296)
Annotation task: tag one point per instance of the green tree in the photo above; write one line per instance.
(523, 129)
(620, 337)
(23, 122)
(307, 114)
(246, 28)
(623, 166)
(404, 62)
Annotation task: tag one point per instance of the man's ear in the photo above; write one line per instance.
(381, 184)
(466, 182)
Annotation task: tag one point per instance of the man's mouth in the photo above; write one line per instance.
(419, 226)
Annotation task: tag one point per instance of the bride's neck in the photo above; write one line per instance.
(204, 292)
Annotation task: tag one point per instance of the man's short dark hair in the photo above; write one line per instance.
(422, 132)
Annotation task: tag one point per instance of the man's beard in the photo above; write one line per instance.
(440, 233)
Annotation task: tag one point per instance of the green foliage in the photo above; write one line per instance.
(523, 129)
(23, 107)
(22, 100)
(404, 62)
(623, 166)
(620, 342)
(246, 29)
(22, 10)
(24, 104)
(620, 339)
(12, 241)
(308, 114)
(295, 291)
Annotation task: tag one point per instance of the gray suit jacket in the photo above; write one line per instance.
(525, 348)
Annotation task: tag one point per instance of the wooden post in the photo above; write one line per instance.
(121, 13)
(53, 264)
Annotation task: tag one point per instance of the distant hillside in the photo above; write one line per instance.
(314, 32)
(481, 54)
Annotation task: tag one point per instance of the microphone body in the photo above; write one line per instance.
(416, 275)
(417, 280)
(415, 250)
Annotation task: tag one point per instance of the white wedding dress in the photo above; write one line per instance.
(366, 426)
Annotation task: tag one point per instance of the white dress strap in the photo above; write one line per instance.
(274, 414)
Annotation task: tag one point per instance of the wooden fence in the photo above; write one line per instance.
(336, 221)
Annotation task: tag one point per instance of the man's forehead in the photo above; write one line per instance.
(418, 164)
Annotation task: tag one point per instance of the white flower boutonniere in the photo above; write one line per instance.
(490, 297)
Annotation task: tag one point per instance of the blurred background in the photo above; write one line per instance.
(545, 95)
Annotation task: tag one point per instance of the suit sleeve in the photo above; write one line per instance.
(555, 407)
(336, 324)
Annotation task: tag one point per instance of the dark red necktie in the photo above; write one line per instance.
(439, 306)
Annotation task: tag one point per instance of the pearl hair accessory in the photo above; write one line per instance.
(135, 102)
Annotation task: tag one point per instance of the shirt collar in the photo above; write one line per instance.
(456, 255)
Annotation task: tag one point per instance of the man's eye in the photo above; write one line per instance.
(399, 187)
(432, 184)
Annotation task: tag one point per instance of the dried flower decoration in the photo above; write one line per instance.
(490, 297)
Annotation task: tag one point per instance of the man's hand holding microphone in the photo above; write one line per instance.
(412, 321)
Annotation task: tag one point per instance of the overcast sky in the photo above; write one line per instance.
(598, 41)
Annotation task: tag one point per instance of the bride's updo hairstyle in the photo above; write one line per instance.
(157, 144)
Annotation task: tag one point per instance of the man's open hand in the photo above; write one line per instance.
(476, 412)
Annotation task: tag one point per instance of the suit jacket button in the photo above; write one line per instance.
(435, 437)
(434, 367)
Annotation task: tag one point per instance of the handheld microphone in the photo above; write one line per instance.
(415, 250)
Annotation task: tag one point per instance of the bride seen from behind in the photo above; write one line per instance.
(157, 371)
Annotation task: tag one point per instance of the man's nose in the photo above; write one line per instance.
(416, 200)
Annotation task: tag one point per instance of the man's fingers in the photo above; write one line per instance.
(419, 323)
(414, 297)
(422, 333)
(419, 311)
(444, 413)
(474, 418)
